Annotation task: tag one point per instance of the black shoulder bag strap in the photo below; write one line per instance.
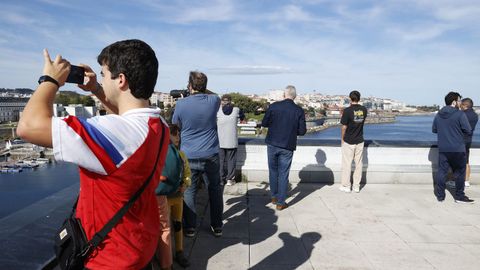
(100, 235)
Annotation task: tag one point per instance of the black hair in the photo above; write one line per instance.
(355, 96)
(468, 101)
(227, 97)
(451, 97)
(174, 129)
(136, 60)
(198, 81)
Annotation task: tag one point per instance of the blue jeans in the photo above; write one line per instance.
(458, 162)
(209, 169)
(279, 161)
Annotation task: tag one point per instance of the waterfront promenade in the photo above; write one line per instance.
(385, 226)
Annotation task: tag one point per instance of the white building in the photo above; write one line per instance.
(79, 110)
(11, 107)
(275, 95)
(335, 101)
(393, 105)
(167, 99)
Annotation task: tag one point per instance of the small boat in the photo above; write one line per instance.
(28, 164)
(42, 160)
(10, 170)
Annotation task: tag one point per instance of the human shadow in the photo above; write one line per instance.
(365, 163)
(249, 212)
(293, 253)
(433, 158)
(312, 173)
(242, 155)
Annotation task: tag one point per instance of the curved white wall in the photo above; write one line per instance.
(322, 163)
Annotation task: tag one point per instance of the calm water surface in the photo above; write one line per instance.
(19, 190)
(406, 128)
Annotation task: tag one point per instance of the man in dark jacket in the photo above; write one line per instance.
(451, 125)
(472, 117)
(285, 121)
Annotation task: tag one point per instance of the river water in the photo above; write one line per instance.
(19, 190)
(405, 128)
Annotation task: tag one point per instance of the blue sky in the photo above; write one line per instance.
(411, 50)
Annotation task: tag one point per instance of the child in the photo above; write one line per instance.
(176, 177)
(175, 200)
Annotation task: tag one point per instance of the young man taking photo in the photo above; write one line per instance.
(115, 153)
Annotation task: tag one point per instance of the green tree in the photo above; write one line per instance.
(88, 101)
(310, 111)
(62, 99)
(247, 104)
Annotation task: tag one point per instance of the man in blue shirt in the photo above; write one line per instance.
(285, 120)
(451, 125)
(196, 115)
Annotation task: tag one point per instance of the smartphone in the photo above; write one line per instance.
(76, 75)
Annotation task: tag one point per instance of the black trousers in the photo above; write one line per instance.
(458, 162)
(228, 163)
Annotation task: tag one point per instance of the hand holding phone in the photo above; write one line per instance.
(76, 75)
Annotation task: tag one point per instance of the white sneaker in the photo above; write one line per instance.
(230, 182)
(356, 189)
(345, 189)
(467, 183)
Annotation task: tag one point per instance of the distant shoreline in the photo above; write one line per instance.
(369, 121)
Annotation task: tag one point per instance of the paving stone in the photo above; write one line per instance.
(420, 233)
(446, 256)
(396, 255)
(338, 254)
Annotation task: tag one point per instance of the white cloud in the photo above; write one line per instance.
(251, 70)
(296, 13)
(15, 18)
(421, 32)
(218, 11)
(459, 12)
(59, 3)
(184, 12)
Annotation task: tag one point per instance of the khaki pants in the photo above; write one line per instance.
(352, 152)
(175, 205)
(164, 246)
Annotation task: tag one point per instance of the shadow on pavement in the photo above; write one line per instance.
(289, 255)
(239, 220)
(312, 173)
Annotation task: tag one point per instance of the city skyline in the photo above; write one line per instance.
(413, 51)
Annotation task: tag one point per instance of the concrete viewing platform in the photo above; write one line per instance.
(385, 226)
(395, 222)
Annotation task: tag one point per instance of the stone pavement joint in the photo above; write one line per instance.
(385, 226)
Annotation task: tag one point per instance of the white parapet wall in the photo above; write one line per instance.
(319, 161)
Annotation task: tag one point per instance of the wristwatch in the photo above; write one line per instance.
(46, 78)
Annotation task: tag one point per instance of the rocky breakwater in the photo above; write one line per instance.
(335, 122)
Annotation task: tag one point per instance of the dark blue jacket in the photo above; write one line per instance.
(451, 125)
(285, 120)
(472, 117)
